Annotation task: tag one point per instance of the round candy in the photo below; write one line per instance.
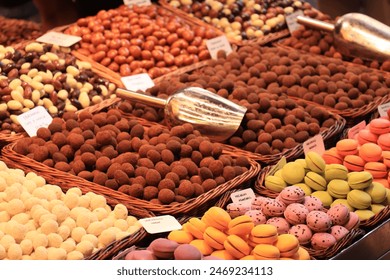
(354, 163)
(347, 147)
(318, 221)
(296, 213)
(370, 152)
(302, 232)
(280, 223)
(366, 136)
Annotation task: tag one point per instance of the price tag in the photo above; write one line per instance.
(382, 109)
(291, 21)
(160, 224)
(282, 162)
(137, 2)
(353, 131)
(34, 119)
(315, 144)
(60, 39)
(218, 43)
(138, 82)
(243, 197)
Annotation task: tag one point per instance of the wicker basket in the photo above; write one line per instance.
(383, 215)
(114, 247)
(315, 254)
(192, 206)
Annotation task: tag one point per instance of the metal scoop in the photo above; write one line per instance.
(356, 35)
(212, 115)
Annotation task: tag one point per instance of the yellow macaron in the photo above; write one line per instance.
(214, 238)
(237, 246)
(264, 234)
(217, 217)
(287, 244)
(180, 236)
(196, 227)
(241, 225)
(266, 252)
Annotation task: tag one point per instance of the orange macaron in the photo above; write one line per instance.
(354, 163)
(370, 152)
(332, 156)
(378, 170)
(384, 141)
(366, 136)
(347, 147)
(380, 126)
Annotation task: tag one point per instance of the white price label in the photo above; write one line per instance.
(382, 109)
(353, 131)
(34, 119)
(137, 2)
(60, 39)
(315, 144)
(243, 197)
(160, 224)
(218, 43)
(138, 82)
(291, 21)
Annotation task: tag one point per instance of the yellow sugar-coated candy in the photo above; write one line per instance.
(84, 201)
(31, 225)
(131, 220)
(121, 224)
(15, 206)
(101, 213)
(68, 245)
(6, 241)
(40, 253)
(12, 192)
(109, 221)
(16, 230)
(64, 231)
(71, 200)
(75, 190)
(1, 234)
(61, 211)
(21, 218)
(40, 193)
(91, 238)
(133, 229)
(121, 234)
(40, 240)
(3, 184)
(76, 211)
(56, 190)
(70, 223)
(47, 217)
(49, 226)
(75, 255)
(85, 247)
(31, 202)
(39, 181)
(98, 201)
(120, 211)
(78, 233)
(4, 216)
(107, 236)
(96, 228)
(24, 195)
(14, 252)
(3, 253)
(29, 185)
(56, 253)
(3, 166)
(38, 213)
(55, 240)
(84, 219)
(27, 246)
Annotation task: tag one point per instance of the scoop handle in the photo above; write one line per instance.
(316, 24)
(140, 97)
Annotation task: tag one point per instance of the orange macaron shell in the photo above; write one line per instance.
(241, 225)
(217, 217)
(332, 156)
(347, 147)
(370, 152)
(214, 238)
(378, 170)
(380, 126)
(384, 142)
(266, 252)
(354, 163)
(366, 136)
(386, 158)
(263, 234)
(237, 246)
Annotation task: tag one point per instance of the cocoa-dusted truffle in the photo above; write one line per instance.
(137, 131)
(89, 159)
(62, 166)
(59, 139)
(67, 151)
(58, 156)
(87, 175)
(145, 162)
(192, 168)
(136, 190)
(128, 168)
(139, 180)
(162, 168)
(174, 177)
(104, 138)
(152, 177)
(70, 124)
(103, 163)
(41, 154)
(186, 189)
(166, 184)
(123, 136)
(109, 152)
(99, 178)
(44, 133)
(99, 119)
(181, 171)
(87, 148)
(150, 192)
(196, 157)
(55, 127)
(112, 184)
(209, 184)
(166, 196)
(141, 171)
(228, 173)
(87, 124)
(174, 146)
(78, 166)
(75, 140)
(52, 148)
(121, 177)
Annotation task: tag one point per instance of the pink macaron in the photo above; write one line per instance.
(296, 213)
(353, 221)
(338, 232)
(280, 223)
(322, 240)
(318, 221)
(313, 203)
(273, 208)
(291, 194)
(339, 214)
(257, 216)
(302, 232)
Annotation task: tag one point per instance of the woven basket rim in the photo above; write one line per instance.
(179, 208)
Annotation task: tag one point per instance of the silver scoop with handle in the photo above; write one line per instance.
(212, 115)
(356, 35)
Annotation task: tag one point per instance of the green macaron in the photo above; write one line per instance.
(315, 181)
(338, 188)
